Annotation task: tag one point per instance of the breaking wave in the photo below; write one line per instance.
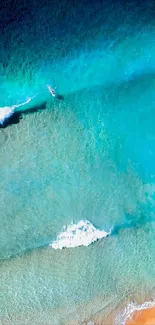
(130, 309)
(81, 234)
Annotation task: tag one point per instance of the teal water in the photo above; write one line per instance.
(89, 157)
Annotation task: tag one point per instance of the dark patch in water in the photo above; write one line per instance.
(18, 115)
(60, 97)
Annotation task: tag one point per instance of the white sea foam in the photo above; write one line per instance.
(7, 111)
(81, 234)
(130, 309)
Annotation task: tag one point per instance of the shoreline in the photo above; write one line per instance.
(145, 316)
(127, 313)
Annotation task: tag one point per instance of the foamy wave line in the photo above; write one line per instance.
(7, 111)
(81, 234)
(130, 309)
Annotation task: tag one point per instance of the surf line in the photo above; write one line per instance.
(83, 233)
(8, 111)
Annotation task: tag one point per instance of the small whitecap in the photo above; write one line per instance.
(81, 234)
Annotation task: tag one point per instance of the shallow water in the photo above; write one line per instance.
(87, 157)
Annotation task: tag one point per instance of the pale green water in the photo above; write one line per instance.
(62, 168)
(53, 287)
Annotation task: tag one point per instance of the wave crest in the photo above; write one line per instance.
(81, 234)
(130, 309)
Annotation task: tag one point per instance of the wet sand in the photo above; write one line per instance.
(142, 317)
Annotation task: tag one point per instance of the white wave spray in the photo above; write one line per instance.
(7, 111)
(130, 309)
(81, 234)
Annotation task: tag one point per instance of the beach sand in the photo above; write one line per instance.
(142, 317)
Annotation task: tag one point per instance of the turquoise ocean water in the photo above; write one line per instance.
(89, 157)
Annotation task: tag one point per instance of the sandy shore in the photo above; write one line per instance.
(131, 311)
(142, 317)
